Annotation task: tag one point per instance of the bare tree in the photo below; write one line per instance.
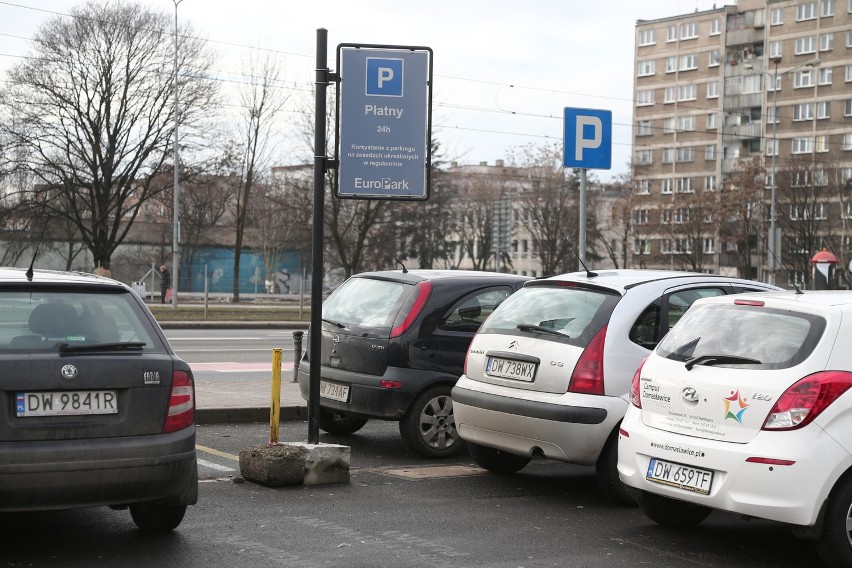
(741, 222)
(262, 101)
(91, 114)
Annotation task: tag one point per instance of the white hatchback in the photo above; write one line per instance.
(547, 374)
(746, 406)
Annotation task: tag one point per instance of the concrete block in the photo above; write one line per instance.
(295, 464)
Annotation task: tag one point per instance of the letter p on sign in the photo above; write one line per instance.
(588, 139)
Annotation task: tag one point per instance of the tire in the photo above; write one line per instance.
(835, 543)
(150, 517)
(429, 426)
(340, 423)
(497, 461)
(606, 473)
(671, 512)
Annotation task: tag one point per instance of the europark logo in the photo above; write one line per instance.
(735, 406)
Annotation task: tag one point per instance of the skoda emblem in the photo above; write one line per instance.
(690, 395)
(69, 372)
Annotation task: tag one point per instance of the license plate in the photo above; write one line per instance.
(66, 403)
(334, 391)
(684, 477)
(508, 369)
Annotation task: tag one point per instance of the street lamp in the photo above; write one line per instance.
(176, 201)
(774, 243)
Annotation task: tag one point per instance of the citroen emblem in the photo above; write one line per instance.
(335, 339)
(69, 372)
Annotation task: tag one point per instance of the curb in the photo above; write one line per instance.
(206, 416)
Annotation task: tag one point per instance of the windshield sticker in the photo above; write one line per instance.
(735, 406)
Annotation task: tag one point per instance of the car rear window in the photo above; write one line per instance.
(39, 320)
(366, 302)
(779, 339)
(569, 314)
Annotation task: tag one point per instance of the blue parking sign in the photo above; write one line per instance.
(384, 77)
(588, 139)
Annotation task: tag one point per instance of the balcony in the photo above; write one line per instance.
(742, 132)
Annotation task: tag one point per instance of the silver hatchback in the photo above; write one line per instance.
(95, 407)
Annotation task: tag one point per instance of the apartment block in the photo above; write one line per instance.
(742, 142)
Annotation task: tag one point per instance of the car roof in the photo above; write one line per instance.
(789, 298)
(419, 275)
(624, 279)
(12, 275)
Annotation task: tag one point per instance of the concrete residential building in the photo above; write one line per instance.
(713, 160)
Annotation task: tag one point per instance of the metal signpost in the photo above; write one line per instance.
(587, 145)
(384, 122)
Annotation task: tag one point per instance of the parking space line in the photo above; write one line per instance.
(215, 466)
(219, 453)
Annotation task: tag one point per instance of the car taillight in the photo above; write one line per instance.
(635, 397)
(181, 412)
(423, 291)
(806, 399)
(587, 377)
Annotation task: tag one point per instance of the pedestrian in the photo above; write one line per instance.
(165, 283)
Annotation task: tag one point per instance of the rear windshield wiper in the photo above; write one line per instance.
(541, 329)
(719, 360)
(113, 346)
(334, 323)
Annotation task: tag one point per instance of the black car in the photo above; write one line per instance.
(95, 407)
(394, 344)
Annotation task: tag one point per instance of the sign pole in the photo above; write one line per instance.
(581, 245)
(320, 163)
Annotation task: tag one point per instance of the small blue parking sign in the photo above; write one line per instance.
(384, 77)
(588, 139)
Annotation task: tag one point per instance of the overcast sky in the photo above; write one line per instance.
(503, 69)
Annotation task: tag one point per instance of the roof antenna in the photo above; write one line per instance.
(32, 262)
(396, 258)
(589, 273)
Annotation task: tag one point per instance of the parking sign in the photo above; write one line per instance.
(588, 139)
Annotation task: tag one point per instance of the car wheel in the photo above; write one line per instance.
(497, 461)
(606, 473)
(151, 517)
(429, 426)
(835, 543)
(671, 512)
(339, 423)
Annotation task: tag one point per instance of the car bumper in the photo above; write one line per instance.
(366, 395)
(66, 474)
(786, 493)
(567, 427)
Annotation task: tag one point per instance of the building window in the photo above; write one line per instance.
(847, 141)
(681, 215)
(715, 27)
(711, 121)
(775, 49)
(709, 246)
(668, 125)
(689, 31)
(709, 183)
(688, 62)
(686, 154)
(776, 16)
(827, 8)
(802, 145)
(771, 115)
(646, 68)
(683, 245)
(670, 95)
(847, 104)
(671, 64)
(826, 42)
(752, 84)
(671, 34)
(803, 78)
(668, 155)
(643, 128)
(715, 58)
(640, 216)
(688, 92)
(849, 37)
(666, 186)
(823, 109)
(643, 187)
(686, 123)
(821, 143)
(805, 45)
(848, 74)
(643, 157)
(806, 11)
(645, 98)
(646, 37)
(772, 147)
(824, 75)
(684, 185)
(803, 111)
(713, 90)
(641, 246)
(710, 152)
(666, 216)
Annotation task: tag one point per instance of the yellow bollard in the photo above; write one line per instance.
(275, 407)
